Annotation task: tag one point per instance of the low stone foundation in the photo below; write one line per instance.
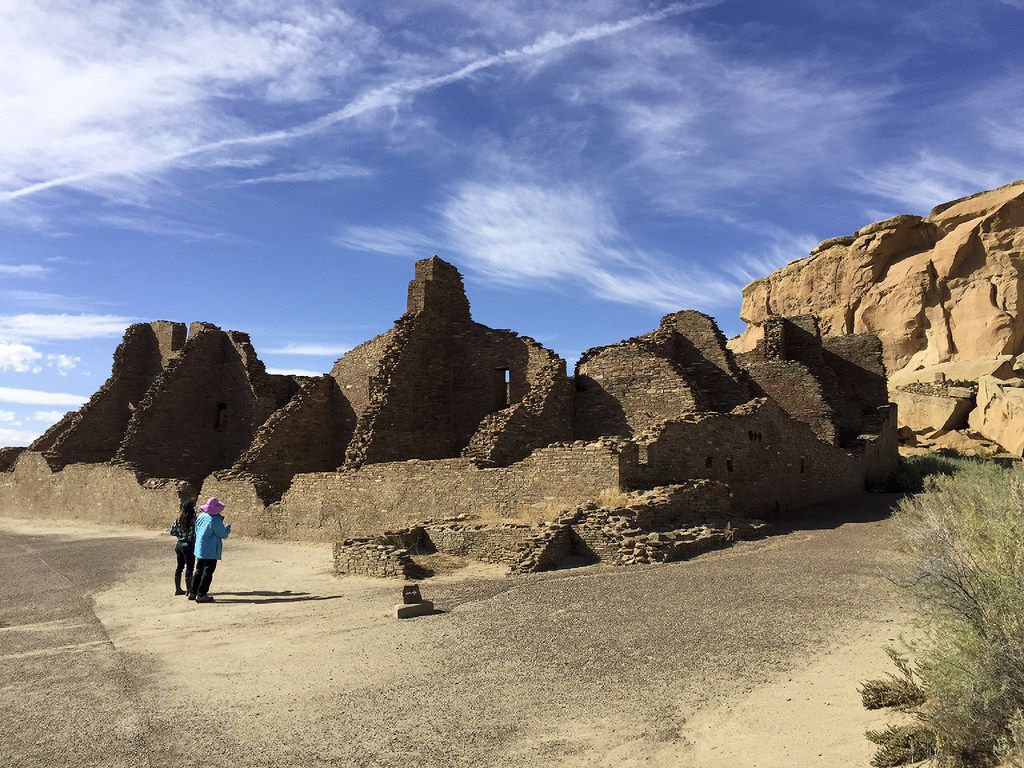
(367, 557)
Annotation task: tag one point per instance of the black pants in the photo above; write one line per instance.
(204, 575)
(186, 563)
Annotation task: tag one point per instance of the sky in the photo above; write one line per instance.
(277, 167)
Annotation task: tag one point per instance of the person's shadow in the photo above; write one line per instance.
(287, 596)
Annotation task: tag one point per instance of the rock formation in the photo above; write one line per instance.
(943, 294)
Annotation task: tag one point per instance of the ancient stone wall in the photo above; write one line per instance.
(101, 493)
(368, 557)
(8, 456)
(857, 362)
(771, 463)
(94, 433)
(391, 495)
(625, 388)
(308, 434)
(793, 386)
(202, 412)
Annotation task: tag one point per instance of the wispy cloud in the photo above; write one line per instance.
(325, 173)
(16, 436)
(39, 397)
(232, 57)
(928, 179)
(532, 236)
(310, 350)
(388, 241)
(23, 270)
(294, 372)
(48, 417)
(59, 327)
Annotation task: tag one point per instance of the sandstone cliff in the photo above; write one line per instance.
(944, 294)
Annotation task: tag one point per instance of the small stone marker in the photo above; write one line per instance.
(413, 603)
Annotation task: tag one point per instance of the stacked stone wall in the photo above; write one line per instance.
(101, 493)
(859, 366)
(367, 557)
(795, 387)
(94, 433)
(771, 463)
(8, 457)
(202, 412)
(309, 434)
(392, 495)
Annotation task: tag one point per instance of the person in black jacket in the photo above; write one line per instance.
(185, 529)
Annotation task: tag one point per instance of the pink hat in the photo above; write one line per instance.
(212, 506)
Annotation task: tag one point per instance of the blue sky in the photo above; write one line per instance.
(276, 167)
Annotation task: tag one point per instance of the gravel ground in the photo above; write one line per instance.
(293, 667)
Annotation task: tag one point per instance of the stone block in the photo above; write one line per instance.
(422, 608)
(931, 414)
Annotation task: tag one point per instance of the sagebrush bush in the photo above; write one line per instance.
(892, 691)
(902, 745)
(912, 471)
(964, 545)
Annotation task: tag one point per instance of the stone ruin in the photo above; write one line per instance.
(444, 435)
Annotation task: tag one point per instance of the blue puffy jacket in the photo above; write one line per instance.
(210, 534)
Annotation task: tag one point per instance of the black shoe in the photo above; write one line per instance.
(179, 591)
(191, 596)
(204, 599)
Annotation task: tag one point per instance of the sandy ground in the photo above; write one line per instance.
(745, 657)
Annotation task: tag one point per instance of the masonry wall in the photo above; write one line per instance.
(794, 387)
(859, 367)
(379, 497)
(625, 388)
(94, 433)
(699, 348)
(202, 412)
(8, 456)
(101, 493)
(771, 463)
(308, 434)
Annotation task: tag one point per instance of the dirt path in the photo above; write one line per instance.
(744, 657)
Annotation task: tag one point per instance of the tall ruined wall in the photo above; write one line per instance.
(947, 287)
(682, 367)
(771, 463)
(438, 378)
(309, 434)
(627, 387)
(385, 496)
(101, 493)
(202, 412)
(791, 365)
(93, 433)
(542, 415)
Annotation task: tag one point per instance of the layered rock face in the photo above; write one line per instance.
(943, 293)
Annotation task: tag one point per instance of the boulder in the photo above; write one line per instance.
(1001, 367)
(932, 414)
(1000, 413)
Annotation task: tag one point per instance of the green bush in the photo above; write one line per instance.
(912, 471)
(899, 692)
(902, 745)
(964, 546)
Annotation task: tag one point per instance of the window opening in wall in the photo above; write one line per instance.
(728, 465)
(502, 388)
(755, 437)
(709, 462)
(803, 466)
(220, 421)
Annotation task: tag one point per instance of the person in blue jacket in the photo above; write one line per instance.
(210, 534)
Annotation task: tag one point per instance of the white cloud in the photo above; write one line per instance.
(23, 270)
(17, 437)
(61, 327)
(311, 350)
(389, 241)
(522, 234)
(782, 248)
(294, 372)
(7, 416)
(39, 397)
(928, 179)
(20, 358)
(94, 108)
(63, 363)
(322, 173)
(48, 417)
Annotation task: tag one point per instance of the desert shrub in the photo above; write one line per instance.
(964, 546)
(897, 691)
(902, 745)
(912, 471)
